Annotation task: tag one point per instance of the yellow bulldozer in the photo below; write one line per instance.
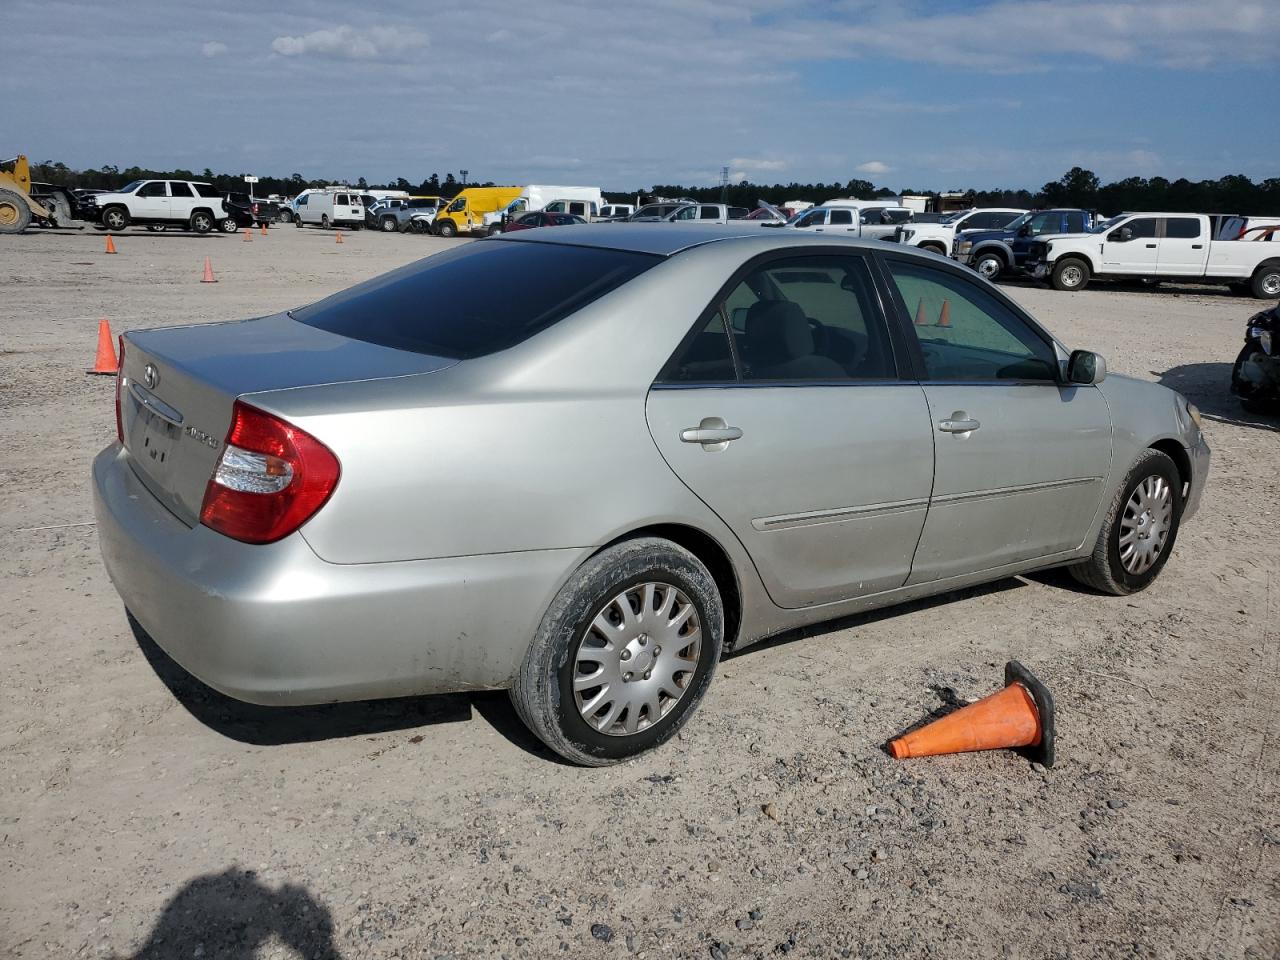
(21, 202)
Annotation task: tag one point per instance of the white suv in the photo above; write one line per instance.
(183, 203)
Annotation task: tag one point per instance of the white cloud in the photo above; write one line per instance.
(213, 49)
(348, 43)
(873, 166)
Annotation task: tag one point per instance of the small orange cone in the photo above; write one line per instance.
(105, 364)
(1020, 715)
(944, 318)
(111, 247)
(247, 235)
(208, 272)
(921, 319)
(263, 229)
(338, 234)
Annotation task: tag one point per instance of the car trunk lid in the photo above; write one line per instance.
(179, 385)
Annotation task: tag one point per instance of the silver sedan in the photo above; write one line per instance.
(583, 463)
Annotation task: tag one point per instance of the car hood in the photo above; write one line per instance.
(975, 236)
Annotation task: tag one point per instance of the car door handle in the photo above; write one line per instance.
(713, 433)
(960, 422)
(1151, 246)
(1197, 246)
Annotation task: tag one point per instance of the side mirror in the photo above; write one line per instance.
(1123, 235)
(1024, 231)
(1086, 367)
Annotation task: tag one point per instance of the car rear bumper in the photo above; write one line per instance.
(275, 624)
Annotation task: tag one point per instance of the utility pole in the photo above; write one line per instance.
(463, 175)
(724, 184)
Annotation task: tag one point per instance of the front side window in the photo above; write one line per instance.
(1182, 228)
(1045, 223)
(156, 188)
(449, 305)
(897, 216)
(458, 205)
(810, 318)
(814, 218)
(1075, 221)
(1141, 228)
(688, 213)
(965, 333)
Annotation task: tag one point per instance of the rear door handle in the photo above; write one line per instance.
(713, 433)
(1197, 246)
(960, 422)
(1151, 246)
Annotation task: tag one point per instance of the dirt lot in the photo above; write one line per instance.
(143, 815)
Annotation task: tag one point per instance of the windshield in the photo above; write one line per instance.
(1107, 224)
(129, 188)
(953, 217)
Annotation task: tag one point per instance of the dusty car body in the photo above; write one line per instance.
(647, 445)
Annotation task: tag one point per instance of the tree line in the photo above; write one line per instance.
(1076, 188)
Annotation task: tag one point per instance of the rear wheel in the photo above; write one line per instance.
(989, 264)
(623, 655)
(324, 221)
(933, 248)
(1266, 282)
(1070, 273)
(1139, 530)
(202, 221)
(388, 225)
(115, 218)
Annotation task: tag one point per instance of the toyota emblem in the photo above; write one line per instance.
(150, 376)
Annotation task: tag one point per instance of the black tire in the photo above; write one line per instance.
(115, 218)
(297, 222)
(1070, 274)
(15, 215)
(1265, 284)
(324, 221)
(284, 216)
(447, 228)
(1104, 571)
(228, 225)
(202, 222)
(543, 693)
(388, 225)
(494, 230)
(990, 264)
(934, 248)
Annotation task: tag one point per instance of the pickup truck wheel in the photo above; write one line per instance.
(1139, 530)
(1266, 282)
(115, 218)
(1070, 273)
(933, 248)
(447, 229)
(388, 225)
(624, 653)
(989, 265)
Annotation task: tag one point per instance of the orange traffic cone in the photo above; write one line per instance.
(247, 235)
(338, 234)
(208, 272)
(1020, 715)
(944, 318)
(921, 319)
(106, 363)
(263, 229)
(111, 247)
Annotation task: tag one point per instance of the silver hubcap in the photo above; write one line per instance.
(1071, 276)
(637, 659)
(989, 268)
(1271, 284)
(1145, 523)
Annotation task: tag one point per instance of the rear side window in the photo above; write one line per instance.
(1182, 228)
(179, 189)
(841, 218)
(452, 305)
(207, 190)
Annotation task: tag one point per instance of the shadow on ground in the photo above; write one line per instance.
(1208, 386)
(231, 915)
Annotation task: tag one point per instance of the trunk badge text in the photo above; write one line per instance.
(206, 439)
(150, 376)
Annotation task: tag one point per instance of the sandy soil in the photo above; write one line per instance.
(143, 815)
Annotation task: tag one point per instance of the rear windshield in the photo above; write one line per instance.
(476, 299)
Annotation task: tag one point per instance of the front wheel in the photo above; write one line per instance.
(1070, 274)
(1139, 530)
(228, 225)
(989, 265)
(115, 218)
(284, 216)
(389, 224)
(324, 221)
(447, 228)
(1266, 282)
(623, 655)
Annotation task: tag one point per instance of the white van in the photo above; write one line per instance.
(331, 207)
(586, 203)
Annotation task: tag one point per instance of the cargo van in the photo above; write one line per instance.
(466, 212)
(331, 207)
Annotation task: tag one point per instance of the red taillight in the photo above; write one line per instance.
(119, 387)
(271, 478)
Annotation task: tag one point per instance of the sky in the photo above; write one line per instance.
(905, 93)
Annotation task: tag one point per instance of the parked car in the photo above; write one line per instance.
(185, 204)
(705, 213)
(542, 218)
(1255, 376)
(994, 253)
(940, 236)
(869, 223)
(329, 208)
(238, 214)
(1156, 246)
(395, 214)
(511, 489)
(653, 212)
(262, 212)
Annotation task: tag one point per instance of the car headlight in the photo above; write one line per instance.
(1194, 413)
(964, 246)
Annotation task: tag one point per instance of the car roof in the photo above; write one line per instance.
(666, 240)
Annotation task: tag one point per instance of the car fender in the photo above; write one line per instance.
(984, 246)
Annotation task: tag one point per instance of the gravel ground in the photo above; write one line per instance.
(143, 815)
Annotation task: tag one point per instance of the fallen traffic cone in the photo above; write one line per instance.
(944, 318)
(338, 234)
(921, 318)
(111, 247)
(106, 363)
(208, 272)
(1020, 715)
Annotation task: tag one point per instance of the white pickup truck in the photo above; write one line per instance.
(939, 236)
(1157, 246)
